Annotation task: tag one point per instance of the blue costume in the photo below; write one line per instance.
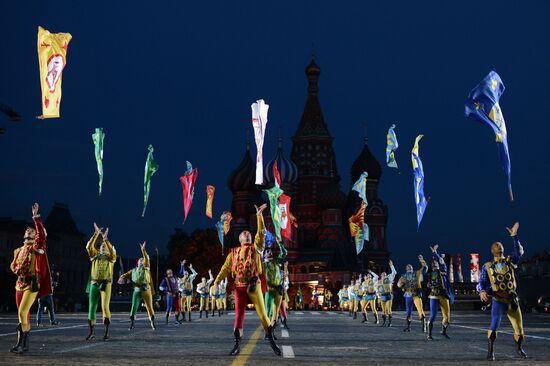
(441, 294)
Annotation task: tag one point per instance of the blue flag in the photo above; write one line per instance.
(392, 145)
(418, 169)
(361, 187)
(483, 106)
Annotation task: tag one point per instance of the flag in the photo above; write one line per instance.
(210, 198)
(483, 105)
(259, 122)
(276, 174)
(98, 138)
(418, 169)
(151, 168)
(284, 208)
(188, 186)
(361, 187)
(391, 147)
(273, 195)
(223, 226)
(358, 228)
(52, 58)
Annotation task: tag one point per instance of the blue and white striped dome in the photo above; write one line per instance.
(287, 168)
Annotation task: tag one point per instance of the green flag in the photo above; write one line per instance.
(273, 195)
(98, 138)
(151, 168)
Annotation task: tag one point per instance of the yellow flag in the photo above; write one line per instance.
(52, 56)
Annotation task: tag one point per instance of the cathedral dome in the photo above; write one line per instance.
(365, 162)
(243, 177)
(331, 196)
(287, 168)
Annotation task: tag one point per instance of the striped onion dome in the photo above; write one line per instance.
(244, 176)
(287, 168)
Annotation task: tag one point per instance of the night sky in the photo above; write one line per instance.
(182, 76)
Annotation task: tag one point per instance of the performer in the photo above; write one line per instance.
(186, 288)
(284, 303)
(360, 293)
(244, 263)
(343, 297)
(371, 279)
(497, 283)
(328, 299)
(221, 297)
(30, 265)
(273, 296)
(441, 294)
(385, 292)
(299, 299)
(47, 302)
(169, 285)
(357, 296)
(214, 294)
(411, 283)
(143, 287)
(351, 297)
(203, 289)
(102, 258)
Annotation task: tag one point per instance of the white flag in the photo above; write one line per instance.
(259, 122)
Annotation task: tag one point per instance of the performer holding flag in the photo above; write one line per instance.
(483, 106)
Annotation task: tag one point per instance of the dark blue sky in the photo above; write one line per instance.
(182, 76)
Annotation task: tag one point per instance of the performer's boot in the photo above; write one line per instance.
(18, 348)
(167, 318)
(423, 321)
(520, 350)
(408, 327)
(490, 343)
(444, 331)
(272, 343)
(237, 347)
(200, 314)
(206, 312)
(284, 323)
(376, 321)
(26, 341)
(383, 320)
(177, 318)
(214, 313)
(153, 322)
(354, 315)
(91, 334)
(389, 321)
(132, 318)
(183, 317)
(364, 318)
(430, 327)
(107, 323)
(189, 315)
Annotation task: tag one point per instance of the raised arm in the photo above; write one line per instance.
(111, 252)
(193, 274)
(146, 261)
(225, 271)
(259, 240)
(90, 246)
(40, 239)
(374, 276)
(518, 248)
(182, 268)
(391, 276)
(210, 279)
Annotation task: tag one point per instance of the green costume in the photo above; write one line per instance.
(273, 296)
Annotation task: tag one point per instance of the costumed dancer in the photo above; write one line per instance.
(214, 294)
(274, 278)
(351, 297)
(328, 299)
(361, 299)
(371, 279)
(203, 289)
(143, 287)
(244, 263)
(299, 299)
(221, 297)
(357, 296)
(497, 284)
(441, 294)
(169, 285)
(30, 265)
(343, 297)
(284, 303)
(102, 257)
(185, 283)
(385, 292)
(411, 283)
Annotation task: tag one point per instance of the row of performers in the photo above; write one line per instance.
(497, 286)
(244, 264)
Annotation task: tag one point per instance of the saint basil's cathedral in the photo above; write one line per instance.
(321, 254)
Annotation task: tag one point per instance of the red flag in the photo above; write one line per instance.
(210, 197)
(276, 174)
(188, 185)
(286, 224)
